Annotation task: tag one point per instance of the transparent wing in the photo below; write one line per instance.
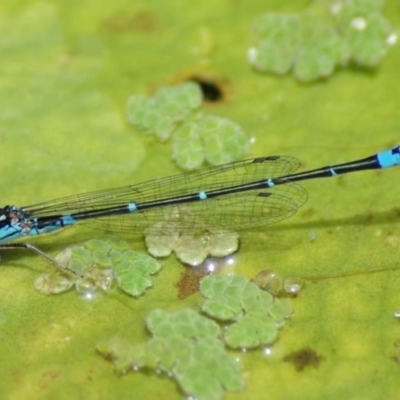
(237, 211)
(234, 212)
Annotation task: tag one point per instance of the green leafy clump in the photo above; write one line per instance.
(191, 347)
(133, 272)
(327, 34)
(191, 247)
(96, 264)
(161, 114)
(184, 345)
(253, 315)
(196, 137)
(213, 139)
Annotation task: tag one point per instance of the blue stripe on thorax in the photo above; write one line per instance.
(389, 158)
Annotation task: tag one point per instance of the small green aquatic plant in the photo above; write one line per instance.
(328, 34)
(192, 248)
(196, 137)
(253, 316)
(184, 345)
(161, 114)
(193, 348)
(96, 265)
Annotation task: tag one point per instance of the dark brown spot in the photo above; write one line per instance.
(304, 358)
(189, 283)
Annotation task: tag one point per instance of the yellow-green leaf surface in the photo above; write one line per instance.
(67, 70)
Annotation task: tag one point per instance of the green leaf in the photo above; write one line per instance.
(184, 345)
(326, 35)
(133, 273)
(250, 332)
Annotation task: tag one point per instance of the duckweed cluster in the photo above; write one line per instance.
(253, 316)
(96, 265)
(193, 348)
(192, 248)
(196, 137)
(184, 345)
(314, 42)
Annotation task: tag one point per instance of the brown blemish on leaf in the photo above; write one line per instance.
(47, 379)
(304, 358)
(308, 213)
(189, 283)
(140, 21)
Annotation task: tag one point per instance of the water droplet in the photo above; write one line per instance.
(269, 280)
(293, 286)
(86, 287)
(105, 279)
